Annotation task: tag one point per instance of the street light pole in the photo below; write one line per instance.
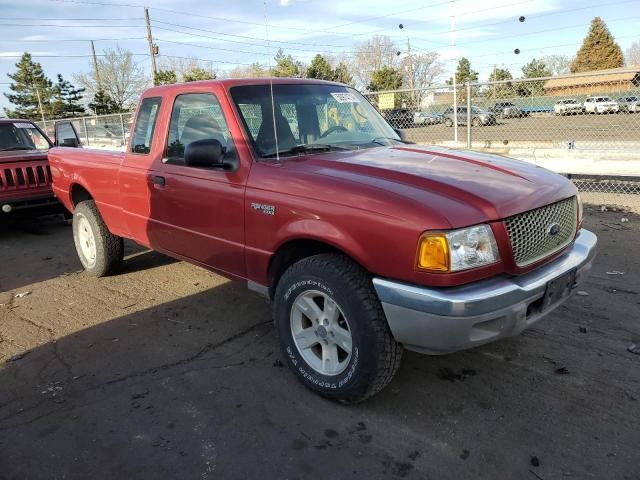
(455, 68)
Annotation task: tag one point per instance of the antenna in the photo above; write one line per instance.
(273, 106)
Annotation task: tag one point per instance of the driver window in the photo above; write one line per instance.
(196, 116)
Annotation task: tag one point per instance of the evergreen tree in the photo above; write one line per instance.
(197, 73)
(599, 50)
(165, 77)
(464, 73)
(30, 88)
(66, 100)
(387, 78)
(286, 66)
(341, 74)
(500, 89)
(103, 104)
(534, 69)
(320, 69)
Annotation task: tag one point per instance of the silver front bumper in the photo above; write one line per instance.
(443, 320)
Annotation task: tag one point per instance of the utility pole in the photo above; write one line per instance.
(411, 85)
(95, 65)
(494, 79)
(152, 47)
(455, 71)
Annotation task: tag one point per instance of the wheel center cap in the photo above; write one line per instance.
(321, 332)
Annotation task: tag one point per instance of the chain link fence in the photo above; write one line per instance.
(583, 125)
(105, 131)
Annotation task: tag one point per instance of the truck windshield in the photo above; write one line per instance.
(22, 136)
(331, 117)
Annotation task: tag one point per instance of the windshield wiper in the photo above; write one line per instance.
(377, 141)
(14, 148)
(306, 148)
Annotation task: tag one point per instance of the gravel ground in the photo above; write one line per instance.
(168, 371)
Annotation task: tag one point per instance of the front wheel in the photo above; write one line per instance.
(99, 251)
(448, 122)
(332, 329)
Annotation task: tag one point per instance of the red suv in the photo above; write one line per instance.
(25, 177)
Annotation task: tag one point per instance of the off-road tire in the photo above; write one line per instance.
(375, 356)
(448, 122)
(109, 248)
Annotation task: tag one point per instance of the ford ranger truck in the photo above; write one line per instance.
(25, 178)
(365, 244)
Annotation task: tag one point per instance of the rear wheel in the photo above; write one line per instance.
(332, 329)
(476, 122)
(99, 251)
(448, 122)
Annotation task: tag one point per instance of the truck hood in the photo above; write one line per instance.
(13, 156)
(456, 187)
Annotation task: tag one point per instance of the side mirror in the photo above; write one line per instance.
(401, 133)
(204, 153)
(70, 142)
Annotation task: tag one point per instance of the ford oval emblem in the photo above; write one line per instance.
(553, 229)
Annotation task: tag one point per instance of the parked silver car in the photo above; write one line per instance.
(630, 104)
(427, 118)
(567, 106)
(506, 110)
(479, 118)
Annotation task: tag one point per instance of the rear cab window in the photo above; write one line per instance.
(145, 125)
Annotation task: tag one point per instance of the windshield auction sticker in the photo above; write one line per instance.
(345, 97)
(23, 125)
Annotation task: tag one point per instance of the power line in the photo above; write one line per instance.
(65, 26)
(246, 22)
(567, 27)
(75, 40)
(238, 36)
(38, 19)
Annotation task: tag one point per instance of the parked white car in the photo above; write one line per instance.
(600, 105)
(567, 106)
(629, 104)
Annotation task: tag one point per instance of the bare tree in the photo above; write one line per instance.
(558, 64)
(184, 68)
(419, 71)
(120, 78)
(632, 57)
(371, 56)
(248, 71)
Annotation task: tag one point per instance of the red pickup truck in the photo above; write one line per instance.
(25, 178)
(365, 244)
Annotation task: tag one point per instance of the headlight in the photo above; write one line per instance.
(458, 249)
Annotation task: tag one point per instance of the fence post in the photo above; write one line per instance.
(468, 115)
(124, 138)
(86, 132)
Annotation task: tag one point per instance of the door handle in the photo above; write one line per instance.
(159, 181)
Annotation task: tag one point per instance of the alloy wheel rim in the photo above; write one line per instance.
(321, 332)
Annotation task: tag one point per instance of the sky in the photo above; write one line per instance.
(226, 33)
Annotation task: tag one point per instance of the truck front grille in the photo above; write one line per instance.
(23, 177)
(543, 231)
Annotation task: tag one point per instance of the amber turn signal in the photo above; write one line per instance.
(433, 253)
